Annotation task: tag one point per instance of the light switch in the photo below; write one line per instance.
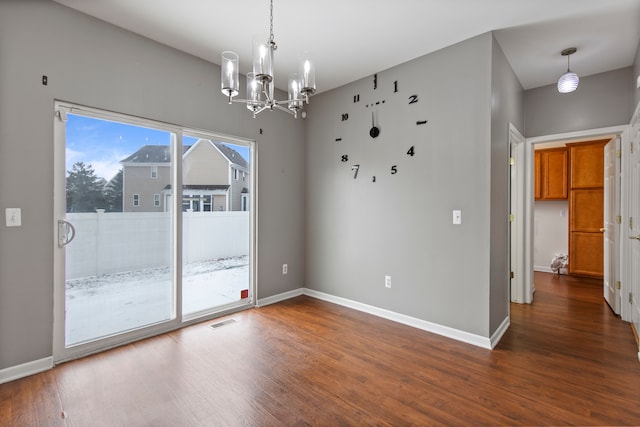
(13, 217)
(457, 217)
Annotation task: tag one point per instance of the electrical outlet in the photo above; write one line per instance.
(387, 281)
(13, 217)
(285, 268)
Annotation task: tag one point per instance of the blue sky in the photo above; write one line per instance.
(103, 144)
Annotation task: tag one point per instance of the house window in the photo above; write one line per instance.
(156, 200)
(154, 172)
(206, 203)
(244, 176)
(136, 200)
(235, 174)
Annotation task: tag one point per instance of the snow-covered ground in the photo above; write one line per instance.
(104, 305)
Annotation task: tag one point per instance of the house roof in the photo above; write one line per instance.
(162, 154)
(152, 154)
(232, 155)
(200, 187)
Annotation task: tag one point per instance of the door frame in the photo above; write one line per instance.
(527, 287)
(61, 353)
(517, 260)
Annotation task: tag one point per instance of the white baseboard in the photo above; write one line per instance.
(279, 297)
(563, 270)
(435, 328)
(26, 369)
(497, 335)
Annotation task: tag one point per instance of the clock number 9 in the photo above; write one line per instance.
(394, 169)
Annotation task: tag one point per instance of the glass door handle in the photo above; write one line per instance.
(64, 228)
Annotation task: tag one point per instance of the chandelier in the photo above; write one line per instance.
(260, 82)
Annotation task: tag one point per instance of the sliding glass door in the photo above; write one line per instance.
(153, 228)
(216, 225)
(118, 265)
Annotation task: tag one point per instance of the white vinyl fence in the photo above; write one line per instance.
(116, 242)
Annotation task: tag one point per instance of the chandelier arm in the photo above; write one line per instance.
(246, 101)
(286, 110)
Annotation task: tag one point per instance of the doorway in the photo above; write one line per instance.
(528, 193)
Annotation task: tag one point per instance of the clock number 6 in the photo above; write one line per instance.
(355, 168)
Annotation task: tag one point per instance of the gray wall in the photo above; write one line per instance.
(506, 107)
(636, 76)
(359, 231)
(601, 100)
(93, 63)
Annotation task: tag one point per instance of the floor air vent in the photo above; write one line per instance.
(223, 323)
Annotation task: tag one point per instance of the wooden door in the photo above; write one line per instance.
(586, 208)
(554, 166)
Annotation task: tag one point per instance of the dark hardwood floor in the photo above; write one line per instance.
(566, 360)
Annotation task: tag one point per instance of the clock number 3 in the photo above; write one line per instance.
(355, 168)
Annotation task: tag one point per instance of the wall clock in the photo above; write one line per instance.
(381, 128)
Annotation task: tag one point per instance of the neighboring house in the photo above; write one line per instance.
(215, 178)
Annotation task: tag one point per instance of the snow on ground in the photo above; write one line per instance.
(104, 305)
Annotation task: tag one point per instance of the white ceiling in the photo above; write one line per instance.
(351, 39)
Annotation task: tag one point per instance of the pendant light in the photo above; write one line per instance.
(568, 82)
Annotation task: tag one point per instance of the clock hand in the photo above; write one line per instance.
(374, 131)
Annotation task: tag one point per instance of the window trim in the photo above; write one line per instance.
(135, 201)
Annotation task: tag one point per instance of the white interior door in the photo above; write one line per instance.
(634, 226)
(611, 229)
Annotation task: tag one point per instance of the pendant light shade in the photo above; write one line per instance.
(568, 82)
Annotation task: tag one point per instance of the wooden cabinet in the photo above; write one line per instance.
(586, 208)
(551, 174)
